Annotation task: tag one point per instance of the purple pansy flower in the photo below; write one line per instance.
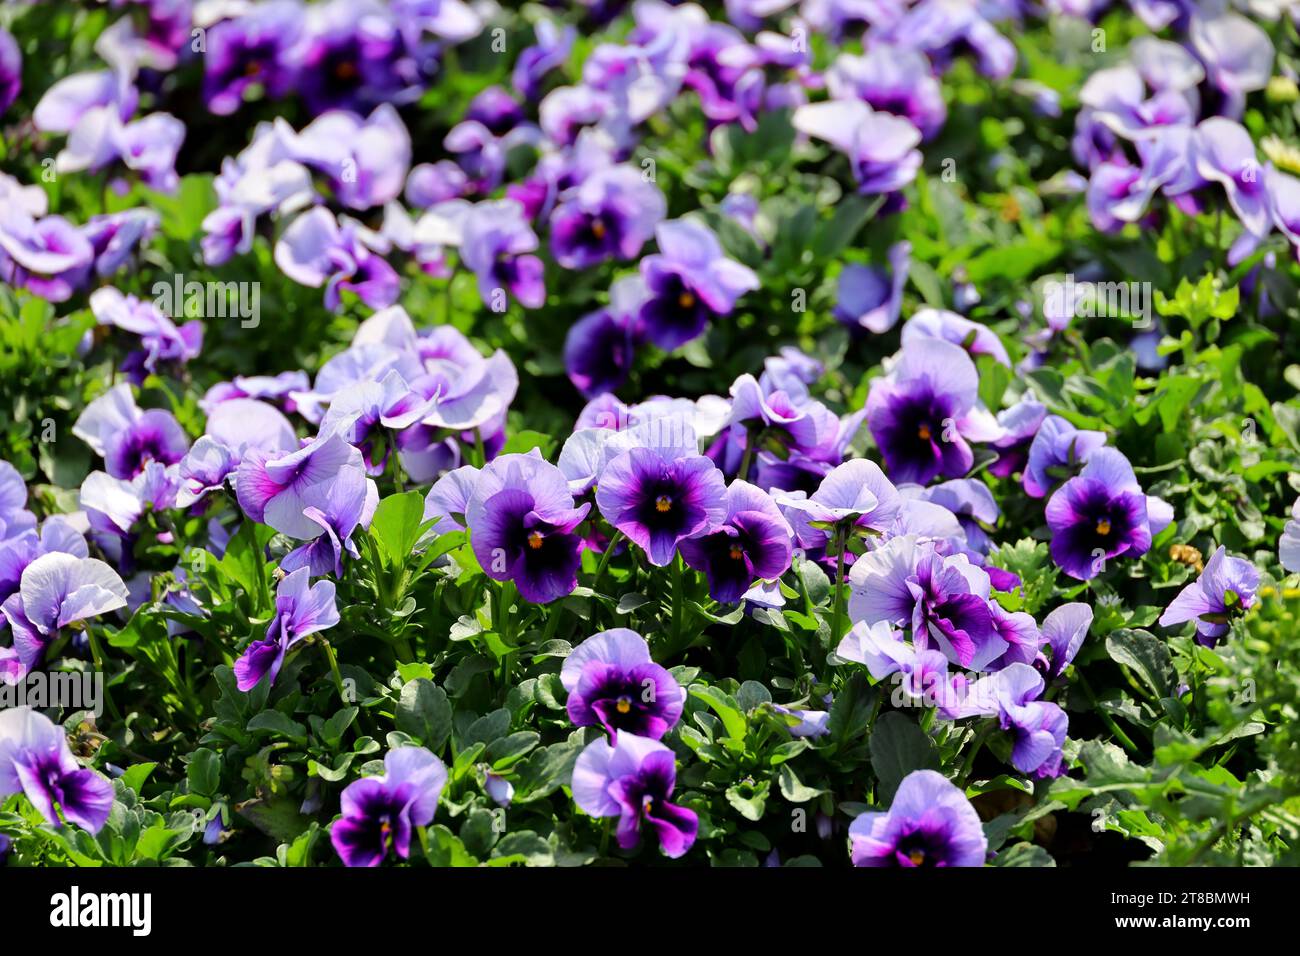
(246, 51)
(920, 414)
(944, 599)
(275, 488)
(923, 673)
(872, 298)
(161, 339)
(36, 761)
(1056, 453)
(1037, 727)
(970, 500)
(690, 281)
(1224, 153)
(58, 589)
(1019, 425)
(380, 813)
(1099, 515)
(881, 147)
(975, 338)
(521, 519)
(361, 412)
(1064, 630)
(613, 683)
(893, 79)
(929, 823)
(754, 542)
(340, 511)
(659, 502)
(632, 779)
(49, 256)
(301, 609)
(1226, 587)
(855, 494)
(1237, 53)
(599, 348)
(611, 215)
(11, 70)
(497, 244)
(319, 250)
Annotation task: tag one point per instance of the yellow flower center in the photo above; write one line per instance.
(535, 539)
(917, 857)
(1103, 527)
(686, 300)
(598, 229)
(624, 705)
(345, 70)
(923, 432)
(663, 504)
(736, 553)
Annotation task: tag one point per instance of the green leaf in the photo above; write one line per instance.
(792, 789)
(520, 443)
(275, 722)
(898, 746)
(424, 712)
(135, 776)
(1147, 656)
(725, 706)
(397, 525)
(1024, 854)
(204, 772)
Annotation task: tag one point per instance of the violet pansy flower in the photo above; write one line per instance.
(301, 609)
(379, 814)
(35, 760)
(881, 147)
(690, 281)
(855, 495)
(1064, 630)
(872, 298)
(521, 519)
(610, 215)
(754, 542)
(1225, 588)
(56, 590)
(929, 823)
(497, 244)
(658, 503)
(274, 488)
(1057, 452)
(922, 413)
(632, 779)
(613, 683)
(944, 598)
(1097, 516)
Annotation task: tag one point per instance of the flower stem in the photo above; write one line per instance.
(97, 655)
(677, 599)
(328, 648)
(976, 747)
(837, 609)
(1106, 718)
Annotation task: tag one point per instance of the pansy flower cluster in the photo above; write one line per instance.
(732, 433)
